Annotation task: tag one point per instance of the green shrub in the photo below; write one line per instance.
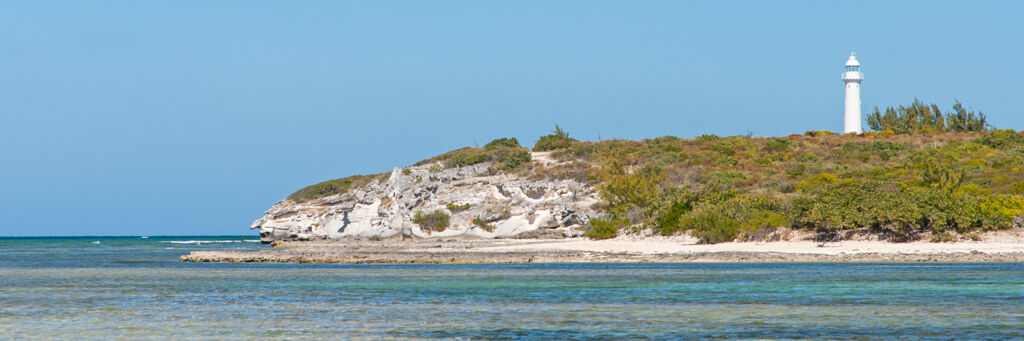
(623, 190)
(506, 153)
(730, 148)
(512, 159)
(435, 221)
(708, 138)
(1017, 188)
(557, 140)
(997, 212)
(671, 222)
(505, 142)
(669, 199)
(807, 157)
(468, 158)
(665, 144)
(455, 208)
(941, 237)
(1001, 139)
(778, 145)
(816, 181)
(712, 227)
(483, 225)
(722, 179)
(936, 174)
(604, 228)
(757, 224)
(796, 171)
(716, 217)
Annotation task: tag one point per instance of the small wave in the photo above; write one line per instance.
(96, 242)
(203, 241)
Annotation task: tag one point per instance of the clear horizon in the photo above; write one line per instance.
(192, 118)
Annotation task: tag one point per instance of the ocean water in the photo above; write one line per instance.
(134, 288)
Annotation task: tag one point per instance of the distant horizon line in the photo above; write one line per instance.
(139, 236)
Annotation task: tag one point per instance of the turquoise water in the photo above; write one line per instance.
(133, 288)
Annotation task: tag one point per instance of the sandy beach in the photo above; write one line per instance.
(1004, 246)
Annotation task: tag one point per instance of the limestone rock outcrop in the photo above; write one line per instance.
(508, 205)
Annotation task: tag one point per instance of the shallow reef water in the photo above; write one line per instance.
(134, 288)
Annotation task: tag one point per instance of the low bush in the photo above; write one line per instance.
(505, 153)
(512, 159)
(483, 225)
(1017, 188)
(711, 227)
(604, 228)
(1001, 139)
(623, 190)
(455, 208)
(435, 221)
(558, 139)
(778, 145)
(722, 179)
(758, 224)
(671, 221)
(505, 142)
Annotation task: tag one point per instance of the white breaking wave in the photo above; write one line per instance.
(205, 241)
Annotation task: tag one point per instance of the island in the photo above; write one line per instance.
(923, 186)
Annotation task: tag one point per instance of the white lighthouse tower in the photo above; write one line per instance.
(852, 77)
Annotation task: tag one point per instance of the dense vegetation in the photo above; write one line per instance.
(927, 118)
(900, 187)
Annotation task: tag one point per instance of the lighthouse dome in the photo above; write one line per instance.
(852, 61)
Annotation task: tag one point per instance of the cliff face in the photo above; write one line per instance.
(509, 205)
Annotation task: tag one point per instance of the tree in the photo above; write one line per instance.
(926, 118)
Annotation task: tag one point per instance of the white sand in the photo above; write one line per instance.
(677, 245)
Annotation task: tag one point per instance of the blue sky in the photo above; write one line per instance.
(193, 117)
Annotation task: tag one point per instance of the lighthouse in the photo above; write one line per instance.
(852, 77)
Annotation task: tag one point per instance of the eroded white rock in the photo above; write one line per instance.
(385, 209)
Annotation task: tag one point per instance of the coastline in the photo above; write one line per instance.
(996, 247)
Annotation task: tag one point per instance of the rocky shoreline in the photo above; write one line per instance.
(546, 251)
